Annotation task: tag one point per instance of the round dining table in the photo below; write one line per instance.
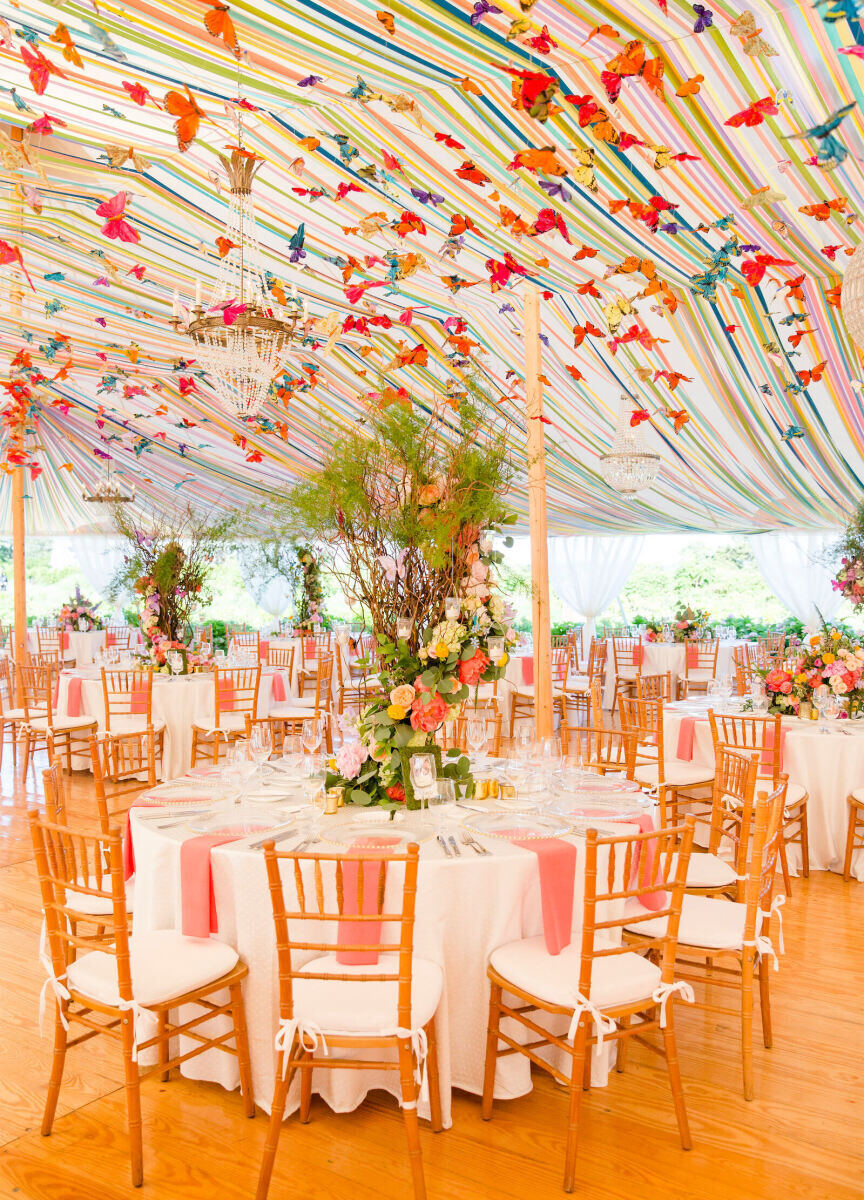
(81, 648)
(179, 701)
(825, 757)
(662, 657)
(466, 907)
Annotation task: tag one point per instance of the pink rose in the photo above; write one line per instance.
(479, 571)
(786, 687)
(471, 669)
(349, 759)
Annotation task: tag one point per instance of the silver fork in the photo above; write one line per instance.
(468, 840)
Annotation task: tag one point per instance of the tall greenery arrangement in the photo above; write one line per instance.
(169, 558)
(310, 603)
(849, 579)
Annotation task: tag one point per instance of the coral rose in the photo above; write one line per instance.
(471, 669)
(403, 695)
(396, 792)
(430, 493)
(428, 716)
(775, 680)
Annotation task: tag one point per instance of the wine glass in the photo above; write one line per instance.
(524, 739)
(262, 743)
(316, 798)
(175, 661)
(821, 696)
(476, 734)
(760, 701)
(311, 740)
(292, 751)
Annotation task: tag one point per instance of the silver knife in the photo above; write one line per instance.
(279, 837)
(163, 813)
(259, 842)
(444, 846)
(454, 846)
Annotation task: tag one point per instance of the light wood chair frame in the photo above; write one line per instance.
(854, 834)
(312, 905)
(707, 653)
(626, 654)
(732, 799)
(36, 686)
(494, 738)
(245, 685)
(655, 687)
(669, 874)
(70, 861)
(522, 702)
(644, 719)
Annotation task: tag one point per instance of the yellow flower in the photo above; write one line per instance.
(802, 678)
(836, 634)
(828, 658)
(815, 640)
(397, 712)
(442, 650)
(503, 660)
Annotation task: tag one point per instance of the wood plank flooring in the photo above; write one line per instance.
(802, 1138)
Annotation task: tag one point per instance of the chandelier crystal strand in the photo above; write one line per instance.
(629, 466)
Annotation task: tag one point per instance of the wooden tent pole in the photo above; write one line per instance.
(19, 526)
(536, 448)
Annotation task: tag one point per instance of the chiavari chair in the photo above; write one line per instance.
(765, 734)
(281, 657)
(132, 983)
(700, 666)
(620, 994)
(603, 751)
(203, 635)
(577, 645)
(522, 699)
(628, 655)
(654, 687)
(574, 709)
(361, 990)
(595, 669)
(492, 720)
(247, 642)
(51, 639)
(123, 765)
(312, 647)
(720, 869)
(559, 641)
(11, 717)
(127, 695)
(232, 629)
(235, 694)
(119, 637)
(353, 690)
(644, 719)
(39, 686)
(314, 706)
(854, 831)
(723, 943)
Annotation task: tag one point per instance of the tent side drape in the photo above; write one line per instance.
(794, 567)
(588, 573)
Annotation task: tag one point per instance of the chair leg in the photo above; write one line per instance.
(674, 1070)
(747, 1022)
(586, 1070)
(305, 1087)
(69, 753)
(26, 754)
(432, 1077)
(621, 1057)
(805, 843)
(277, 1114)
(162, 1019)
(850, 841)
(491, 1052)
(133, 1103)
(194, 758)
(784, 865)
(765, 1002)
(61, 1037)
(409, 1116)
(580, 1052)
(241, 1038)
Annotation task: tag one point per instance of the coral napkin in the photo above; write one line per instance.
(638, 655)
(653, 900)
(767, 757)
(73, 696)
(686, 732)
(197, 899)
(361, 933)
(109, 639)
(556, 861)
(277, 690)
(263, 649)
(138, 700)
(692, 656)
(148, 802)
(527, 661)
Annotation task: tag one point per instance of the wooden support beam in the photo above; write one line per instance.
(19, 479)
(536, 448)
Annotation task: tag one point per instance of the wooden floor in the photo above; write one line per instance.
(801, 1138)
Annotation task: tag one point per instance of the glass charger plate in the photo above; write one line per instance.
(190, 784)
(239, 822)
(275, 791)
(606, 807)
(599, 784)
(516, 826)
(349, 831)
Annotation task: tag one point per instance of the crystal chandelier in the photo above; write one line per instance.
(852, 296)
(629, 466)
(109, 491)
(240, 337)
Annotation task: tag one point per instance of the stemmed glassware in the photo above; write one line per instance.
(241, 767)
(476, 734)
(821, 700)
(175, 661)
(311, 740)
(262, 744)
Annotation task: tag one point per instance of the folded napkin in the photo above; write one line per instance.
(64, 640)
(692, 656)
(686, 733)
(277, 688)
(767, 756)
(148, 801)
(527, 661)
(361, 933)
(556, 861)
(110, 638)
(197, 898)
(226, 695)
(645, 870)
(638, 655)
(263, 649)
(73, 696)
(309, 648)
(138, 700)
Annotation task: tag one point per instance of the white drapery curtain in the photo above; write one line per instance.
(273, 595)
(588, 573)
(98, 559)
(792, 565)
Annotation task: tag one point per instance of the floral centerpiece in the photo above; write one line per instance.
(653, 630)
(79, 609)
(829, 658)
(409, 505)
(689, 624)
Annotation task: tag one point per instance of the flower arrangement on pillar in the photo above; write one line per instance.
(849, 578)
(310, 607)
(409, 508)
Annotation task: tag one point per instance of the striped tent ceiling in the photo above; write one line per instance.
(420, 162)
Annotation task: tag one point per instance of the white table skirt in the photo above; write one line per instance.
(178, 702)
(466, 907)
(661, 657)
(829, 765)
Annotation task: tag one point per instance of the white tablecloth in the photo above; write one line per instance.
(177, 701)
(466, 907)
(82, 647)
(661, 657)
(829, 765)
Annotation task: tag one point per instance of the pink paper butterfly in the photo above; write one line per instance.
(393, 567)
(115, 225)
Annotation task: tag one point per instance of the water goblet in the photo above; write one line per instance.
(476, 734)
(311, 740)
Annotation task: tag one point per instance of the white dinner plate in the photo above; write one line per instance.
(516, 826)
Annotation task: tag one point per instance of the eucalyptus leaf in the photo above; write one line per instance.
(358, 796)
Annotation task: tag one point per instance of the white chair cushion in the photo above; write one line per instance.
(578, 683)
(229, 722)
(525, 691)
(135, 723)
(62, 724)
(18, 714)
(714, 924)
(296, 708)
(676, 774)
(342, 1006)
(618, 979)
(99, 906)
(706, 870)
(699, 675)
(164, 964)
(795, 793)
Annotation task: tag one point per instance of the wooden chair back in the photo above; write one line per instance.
(493, 730)
(232, 629)
(313, 645)
(602, 750)
(119, 762)
(281, 657)
(732, 804)
(577, 645)
(597, 653)
(627, 654)
(119, 637)
(247, 642)
(574, 708)
(700, 658)
(744, 732)
(561, 664)
(35, 682)
(235, 690)
(127, 692)
(50, 639)
(638, 864)
(203, 635)
(560, 641)
(654, 687)
(765, 850)
(324, 680)
(54, 787)
(316, 885)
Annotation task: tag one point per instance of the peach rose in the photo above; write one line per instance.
(403, 695)
(430, 493)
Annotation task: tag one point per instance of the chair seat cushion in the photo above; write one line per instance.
(714, 924)
(229, 722)
(99, 906)
(164, 964)
(18, 714)
(135, 723)
(618, 979)
(294, 709)
(525, 691)
(795, 793)
(343, 1006)
(63, 724)
(706, 870)
(676, 774)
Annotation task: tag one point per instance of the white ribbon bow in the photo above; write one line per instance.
(776, 904)
(137, 1010)
(289, 1027)
(604, 1024)
(53, 981)
(665, 990)
(419, 1048)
